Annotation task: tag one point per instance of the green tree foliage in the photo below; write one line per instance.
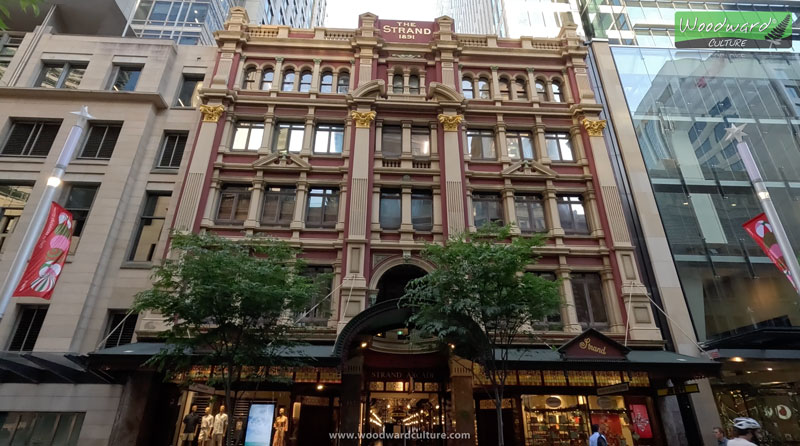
(25, 5)
(481, 300)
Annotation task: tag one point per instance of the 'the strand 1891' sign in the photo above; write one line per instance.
(405, 31)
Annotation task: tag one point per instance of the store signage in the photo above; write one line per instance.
(400, 375)
(406, 31)
(592, 344)
(678, 390)
(201, 388)
(616, 388)
(733, 29)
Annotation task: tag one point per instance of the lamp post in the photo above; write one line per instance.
(42, 210)
(789, 256)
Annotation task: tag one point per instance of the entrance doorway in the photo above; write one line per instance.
(400, 415)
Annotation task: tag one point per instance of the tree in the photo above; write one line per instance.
(480, 300)
(227, 304)
(24, 5)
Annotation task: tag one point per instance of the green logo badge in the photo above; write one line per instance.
(733, 29)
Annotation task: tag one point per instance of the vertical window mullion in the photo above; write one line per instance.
(37, 130)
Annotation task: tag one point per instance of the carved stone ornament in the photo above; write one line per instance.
(362, 119)
(594, 128)
(211, 113)
(450, 122)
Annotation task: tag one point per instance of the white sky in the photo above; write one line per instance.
(344, 13)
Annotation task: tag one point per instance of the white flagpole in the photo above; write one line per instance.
(34, 229)
(764, 198)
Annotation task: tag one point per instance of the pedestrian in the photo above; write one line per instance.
(746, 432)
(719, 434)
(598, 437)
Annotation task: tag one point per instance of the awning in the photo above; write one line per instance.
(44, 367)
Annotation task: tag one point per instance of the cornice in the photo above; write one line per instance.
(116, 97)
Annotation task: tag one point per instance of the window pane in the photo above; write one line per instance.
(392, 142)
(151, 222)
(488, 147)
(331, 215)
(397, 83)
(296, 139)
(512, 143)
(240, 138)
(188, 96)
(483, 88)
(50, 76)
(413, 84)
(305, 81)
(527, 147)
(343, 83)
(288, 81)
(74, 76)
(581, 299)
(420, 142)
(266, 79)
(466, 87)
(326, 84)
(422, 210)
(126, 79)
(321, 141)
(390, 212)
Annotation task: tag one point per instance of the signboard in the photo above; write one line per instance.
(679, 390)
(591, 344)
(259, 425)
(405, 31)
(616, 388)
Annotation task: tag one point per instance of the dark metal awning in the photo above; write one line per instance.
(45, 367)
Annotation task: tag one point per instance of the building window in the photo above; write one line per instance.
(8, 47)
(466, 87)
(505, 89)
(413, 84)
(326, 82)
(391, 209)
(266, 79)
(29, 325)
(234, 203)
(62, 75)
(305, 81)
(587, 290)
(12, 202)
(420, 142)
(323, 208)
(125, 78)
(520, 91)
(520, 144)
(530, 213)
(247, 135)
(556, 87)
(559, 147)
(397, 84)
(278, 206)
(289, 137)
(329, 139)
(151, 222)
(288, 80)
(249, 81)
(320, 307)
(392, 141)
(572, 214)
(79, 203)
(172, 150)
(189, 95)
(422, 210)
(487, 207)
(31, 138)
(541, 92)
(483, 88)
(481, 144)
(42, 428)
(121, 326)
(100, 141)
(343, 84)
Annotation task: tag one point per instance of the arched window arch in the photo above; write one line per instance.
(249, 81)
(505, 90)
(343, 84)
(288, 80)
(483, 88)
(520, 92)
(540, 91)
(266, 79)
(305, 81)
(466, 87)
(326, 82)
(397, 83)
(413, 84)
(557, 95)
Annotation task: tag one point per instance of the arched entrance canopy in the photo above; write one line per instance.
(378, 318)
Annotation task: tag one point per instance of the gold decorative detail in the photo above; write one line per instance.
(363, 119)
(211, 113)
(594, 128)
(450, 122)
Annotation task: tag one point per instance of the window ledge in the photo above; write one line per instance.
(482, 161)
(89, 162)
(275, 226)
(164, 170)
(326, 229)
(136, 265)
(326, 155)
(176, 107)
(23, 159)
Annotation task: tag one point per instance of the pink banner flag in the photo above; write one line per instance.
(761, 230)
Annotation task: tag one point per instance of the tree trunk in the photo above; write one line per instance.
(498, 403)
(228, 401)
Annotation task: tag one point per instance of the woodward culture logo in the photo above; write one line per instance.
(733, 29)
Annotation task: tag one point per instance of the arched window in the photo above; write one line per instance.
(519, 90)
(505, 91)
(540, 91)
(326, 82)
(483, 88)
(305, 81)
(467, 88)
(557, 91)
(343, 84)
(249, 78)
(413, 84)
(288, 80)
(397, 83)
(266, 79)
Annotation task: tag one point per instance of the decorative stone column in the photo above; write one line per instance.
(308, 133)
(592, 212)
(576, 142)
(454, 183)
(277, 76)
(266, 140)
(565, 88)
(229, 125)
(511, 210)
(532, 95)
(376, 214)
(495, 83)
(569, 315)
(298, 218)
(351, 399)
(315, 77)
(611, 300)
(463, 411)
(406, 226)
(541, 144)
(209, 212)
(502, 144)
(437, 210)
(551, 206)
(253, 217)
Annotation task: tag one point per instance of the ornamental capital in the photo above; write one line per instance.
(279, 59)
(317, 60)
(450, 122)
(362, 119)
(211, 113)
(494, 67)
(594, 128)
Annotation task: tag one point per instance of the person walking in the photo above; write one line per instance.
(746, 432)
(719, 434)
(598, 437)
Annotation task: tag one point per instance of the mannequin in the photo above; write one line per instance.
(281, 425)
(191, 422)
(206, 424)
(220, 427)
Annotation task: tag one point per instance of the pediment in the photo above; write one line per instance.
(528, 168)
(443, 93)
(281, 160)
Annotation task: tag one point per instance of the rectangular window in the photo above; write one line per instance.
(323, 208)
(234, 203)
(125, 78)
(559, 147)
(151, 222)
(62, 75)
(8, 47)
(329, 139)
(420, 142)
(392, 141)
(530, 213)
(519, 145)
(247, 135)
(29, 325)
(100, 141)
(31, 138)
(552, 322)
(278, 206)
(572, 214)
(40, 428)
(172, 150)
(487, 207)
(79, 202)
(481, 144)
(12, 202)
(422, 210)
(319, 310)
(587, 290)
(120, 328)
(289, 137)
(391, 214)
(189, 95)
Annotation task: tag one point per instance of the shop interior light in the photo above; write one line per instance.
(320, 387)
(769, 369)
(363, 345)
(737, 359)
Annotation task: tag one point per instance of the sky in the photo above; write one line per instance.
(344, 13)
